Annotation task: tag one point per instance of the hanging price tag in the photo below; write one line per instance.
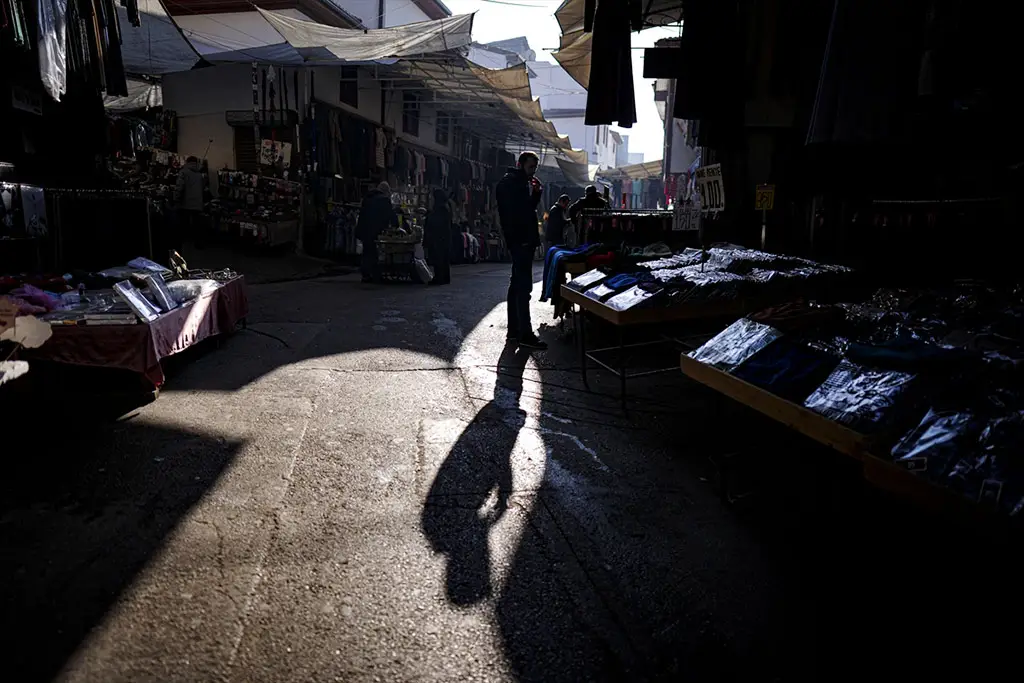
(709, 184)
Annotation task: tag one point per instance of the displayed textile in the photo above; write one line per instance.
(735, 344)
(141, 347)
(864, 399)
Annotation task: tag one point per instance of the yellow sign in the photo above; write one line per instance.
(764, 197)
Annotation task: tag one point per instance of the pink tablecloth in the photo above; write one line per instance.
(141, 347)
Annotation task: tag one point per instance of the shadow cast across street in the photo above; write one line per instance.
(472, 488)
(83, 510)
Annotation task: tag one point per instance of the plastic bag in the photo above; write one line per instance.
(865, 399)
(186, 290)
(424, 273)
(934, 445)
(994, 473)
(735, 344)
(52, 16)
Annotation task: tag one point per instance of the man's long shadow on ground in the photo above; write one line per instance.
(471, 490)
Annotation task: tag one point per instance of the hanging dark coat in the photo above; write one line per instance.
(610, 96)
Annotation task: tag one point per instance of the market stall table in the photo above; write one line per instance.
(878, 472)
(636, 318)
(140, 347)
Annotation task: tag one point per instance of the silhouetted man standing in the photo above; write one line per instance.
(518, 194)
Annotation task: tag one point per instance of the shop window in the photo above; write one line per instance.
(411, 113)
(349, 91)
(442, 131)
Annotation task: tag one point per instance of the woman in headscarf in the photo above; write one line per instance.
(437, 238)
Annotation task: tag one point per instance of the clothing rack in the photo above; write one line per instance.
(630, 226)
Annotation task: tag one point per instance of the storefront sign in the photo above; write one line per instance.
(764, 198)
(709, 185)
(686, 217)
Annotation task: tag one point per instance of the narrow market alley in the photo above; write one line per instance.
(367, 485)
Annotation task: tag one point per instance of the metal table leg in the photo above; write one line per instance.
(580, 325)
(622, 368)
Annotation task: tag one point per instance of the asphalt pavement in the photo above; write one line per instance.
(369, 484)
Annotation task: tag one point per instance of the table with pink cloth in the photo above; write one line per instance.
(141, 347)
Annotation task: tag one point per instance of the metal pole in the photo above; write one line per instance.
(666, 158)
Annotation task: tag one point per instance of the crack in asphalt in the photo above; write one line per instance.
(267, 543)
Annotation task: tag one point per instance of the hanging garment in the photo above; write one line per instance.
(382, 145)
(610, 98)
(52, 20)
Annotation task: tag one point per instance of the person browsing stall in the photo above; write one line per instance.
(558, 222)
(188, 193)
(518, 195)
(590, 200)
(437, 238)
(376, 214)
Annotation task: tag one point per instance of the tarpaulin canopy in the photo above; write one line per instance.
(493, 98)
(141, 95)
(164, 45)
(574, 48)
(157, 46)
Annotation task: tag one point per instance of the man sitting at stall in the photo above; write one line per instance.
(590, 200)
(375, 216)
(556, 230)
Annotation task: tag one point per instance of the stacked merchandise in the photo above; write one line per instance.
(258, 208)
(124, 295)
(932, 376)
(653, 276)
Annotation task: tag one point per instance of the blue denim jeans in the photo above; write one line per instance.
(520, 287)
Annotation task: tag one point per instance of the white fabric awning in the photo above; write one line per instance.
(163, 45)
(141, 95)
(312, 40)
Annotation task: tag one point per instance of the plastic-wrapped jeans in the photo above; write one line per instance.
(52, 17)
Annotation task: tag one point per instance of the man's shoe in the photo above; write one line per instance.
(533, 343)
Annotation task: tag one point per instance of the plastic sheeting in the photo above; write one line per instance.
(423, 37)
(735, 344)
(141, 95)
(864, 399)
(157, 46)
(52, 20)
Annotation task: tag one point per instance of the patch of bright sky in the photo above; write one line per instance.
(535, 19)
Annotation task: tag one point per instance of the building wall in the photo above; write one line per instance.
(366, 10)
(200, 98)
(396, 12)
(400, 12)
(635, 158)
(427, 137)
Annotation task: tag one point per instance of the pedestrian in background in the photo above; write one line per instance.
(188, 193)
(555, 232)
(437, 238)
(375, 216)
(518, 195)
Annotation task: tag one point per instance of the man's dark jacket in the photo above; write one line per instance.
(517, 209)
(375, 215)
(590, 201)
